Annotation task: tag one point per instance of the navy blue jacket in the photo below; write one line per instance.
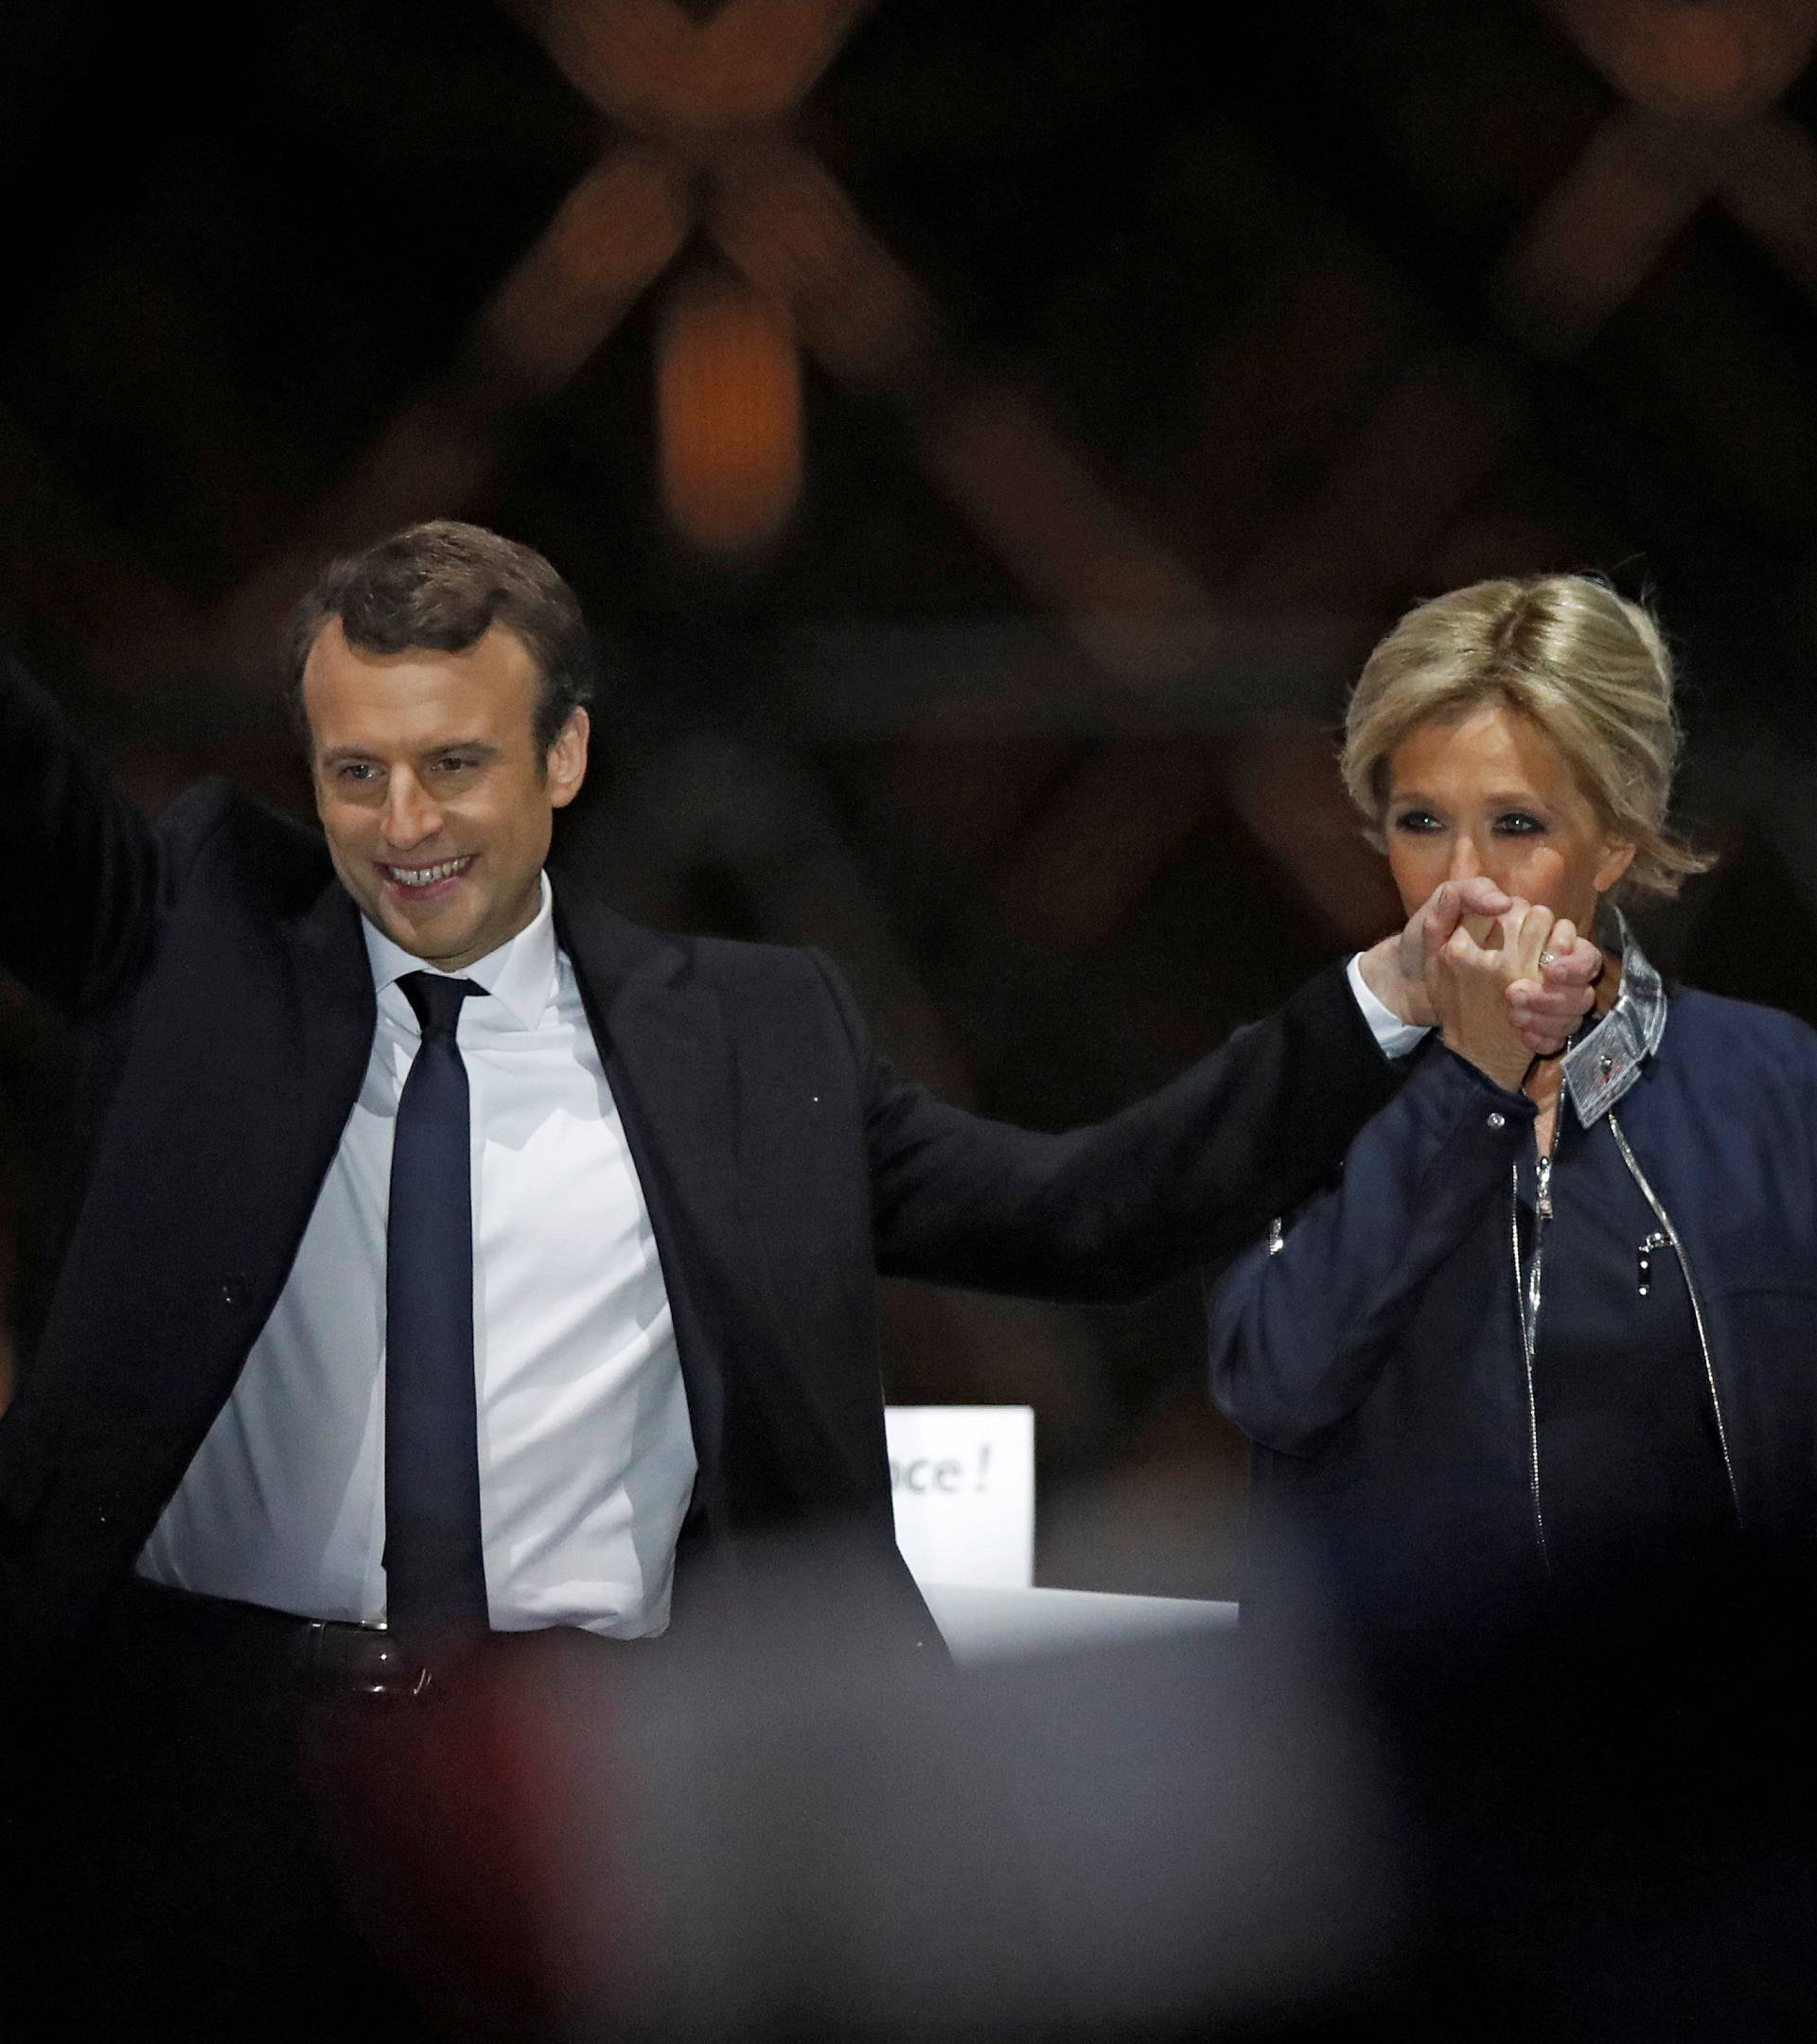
(1371, 1348)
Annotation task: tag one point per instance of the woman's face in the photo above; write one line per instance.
(1488, 792)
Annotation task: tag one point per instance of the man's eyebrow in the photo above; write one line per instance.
(479, 747)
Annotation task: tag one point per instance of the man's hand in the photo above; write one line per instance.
(1545, 1006)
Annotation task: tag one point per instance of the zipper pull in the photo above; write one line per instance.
(1543, 1201)
(1643, 1252)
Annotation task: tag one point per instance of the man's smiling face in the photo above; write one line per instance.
(435, 795)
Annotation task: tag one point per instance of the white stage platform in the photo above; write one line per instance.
(998, 1625)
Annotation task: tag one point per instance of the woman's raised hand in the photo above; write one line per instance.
(1544, 1008)
(1468, 974)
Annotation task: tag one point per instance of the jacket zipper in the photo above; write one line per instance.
(1527, 1306)
(1670, 1234)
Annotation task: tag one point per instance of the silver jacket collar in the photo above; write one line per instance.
(1600, 1067)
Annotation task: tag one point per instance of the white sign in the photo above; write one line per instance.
(963, 1480)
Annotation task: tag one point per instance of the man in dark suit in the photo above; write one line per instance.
(454, 1258)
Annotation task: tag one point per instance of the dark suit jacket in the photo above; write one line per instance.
(216, 969)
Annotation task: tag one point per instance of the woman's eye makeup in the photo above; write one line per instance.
(1505, 823)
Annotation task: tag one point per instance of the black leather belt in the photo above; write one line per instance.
(323, 1657)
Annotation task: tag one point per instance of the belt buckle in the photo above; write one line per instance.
(391, 1682)
(370, 1666)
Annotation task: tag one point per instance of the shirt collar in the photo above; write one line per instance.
(1601, 1066)
(519, 975)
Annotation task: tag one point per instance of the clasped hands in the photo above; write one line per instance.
(1503, 980)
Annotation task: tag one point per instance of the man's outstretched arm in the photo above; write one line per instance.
(78, 865)
(1189, 1174)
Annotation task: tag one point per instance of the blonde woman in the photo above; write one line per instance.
(1554, 1314)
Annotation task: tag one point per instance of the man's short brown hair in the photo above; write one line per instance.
(441, 587)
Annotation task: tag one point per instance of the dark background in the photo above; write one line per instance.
(1152, 360)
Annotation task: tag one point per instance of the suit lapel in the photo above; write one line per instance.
(668, 1058)
(334, 994)
(226, 1122)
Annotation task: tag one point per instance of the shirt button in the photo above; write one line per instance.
(1498, 1121)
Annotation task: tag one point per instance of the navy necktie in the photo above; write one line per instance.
(434, 1564)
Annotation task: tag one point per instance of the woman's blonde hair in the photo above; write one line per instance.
(1588, 667)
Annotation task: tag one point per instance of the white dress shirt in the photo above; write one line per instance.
(587, 1462)
(1394, 1036)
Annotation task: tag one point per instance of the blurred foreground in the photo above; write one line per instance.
(1588, 1815)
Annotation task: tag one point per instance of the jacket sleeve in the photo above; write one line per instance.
(1112, 1210)
(78, 864)
(1303, 1323)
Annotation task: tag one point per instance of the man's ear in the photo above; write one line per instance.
(566, 764)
